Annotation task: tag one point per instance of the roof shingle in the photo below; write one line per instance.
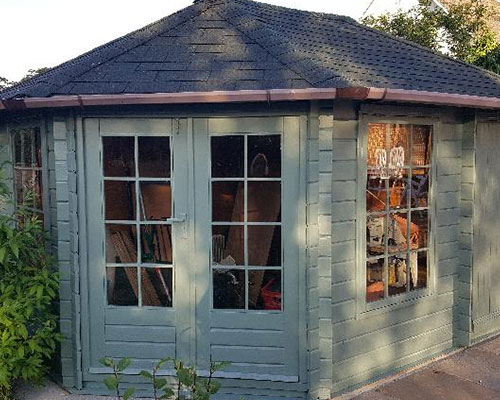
(241, 44)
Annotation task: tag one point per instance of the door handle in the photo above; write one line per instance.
(181, 218)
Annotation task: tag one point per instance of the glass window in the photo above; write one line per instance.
(137, 205)
(397, 207)
(28, 183)
(246, 222)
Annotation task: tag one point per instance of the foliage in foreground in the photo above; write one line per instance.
(464, 31)
(28, 288)
(189, 384)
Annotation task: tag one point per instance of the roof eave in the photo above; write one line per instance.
(271, 95)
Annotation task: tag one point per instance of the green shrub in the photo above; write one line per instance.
(28, 288)
(189, 384)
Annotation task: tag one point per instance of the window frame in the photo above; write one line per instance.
(44, 169)
(402, 299)
(246, 267)
(137, 180)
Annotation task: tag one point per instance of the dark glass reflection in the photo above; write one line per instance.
(264, 245)
(156, 287)
(228, 201)
(156, 244)
(227, 156)
(118, 156)
(264, 290)
(264, 156)
(154, 157)
(122, 286)
(228, 245)
(228, 288)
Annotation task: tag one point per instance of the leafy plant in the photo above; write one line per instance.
(464, 31)
(28, 288)
(112, 382)
(189, 384)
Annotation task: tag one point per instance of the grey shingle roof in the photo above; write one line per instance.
(241, 44)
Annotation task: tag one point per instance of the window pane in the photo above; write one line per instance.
(228, 288)
(264, 156)
(374, 279)
(28, 185)
(37, 157)
(118, 156)
(119, 198)
(156, 244)
(398, 188)
(375, 235)
(228, 245)
(264, 290)
(264, 201)
(28, 148)
(418, 269)
(376, 195)
(397, 274)
(18, 148)
(420, 187)
(264, 245)
(422, 145)
(156, 287)
(397, 232)
(399, 145)
(228, 201)
(123, 288)
(227, 156)
(121, 244)
(154, 157)
(155, 201)
(419, 229)
(377, 134)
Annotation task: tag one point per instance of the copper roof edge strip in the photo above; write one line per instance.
(272, 95)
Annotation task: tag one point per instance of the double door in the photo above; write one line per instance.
(193, 235)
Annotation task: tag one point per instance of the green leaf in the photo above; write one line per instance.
(111, 382)
(146, 374)
(167, 393)
(3, 251)
(123, 364)
(128, 393)
(107, 362)
(159, 383)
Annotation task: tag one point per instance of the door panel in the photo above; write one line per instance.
(248, 217)
(137, 251)
(156, 239)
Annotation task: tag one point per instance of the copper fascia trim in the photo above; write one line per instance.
(273, 95)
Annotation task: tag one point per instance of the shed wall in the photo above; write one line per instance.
(485, 216)
(368, 345)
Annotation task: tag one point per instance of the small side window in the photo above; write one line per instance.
(398, 174)
(28, 169)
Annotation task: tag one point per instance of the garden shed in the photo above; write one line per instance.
(309, 199)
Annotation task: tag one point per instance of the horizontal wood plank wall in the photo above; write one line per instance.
(369, 345)
(65, 181)
(313, 308)
(464, 323)
(486, 267)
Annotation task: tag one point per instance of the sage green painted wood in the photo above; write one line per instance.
(372, 340)
(114, 343)
(256, 356)
(485, 249)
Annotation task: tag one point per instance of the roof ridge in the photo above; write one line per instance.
(204, 5)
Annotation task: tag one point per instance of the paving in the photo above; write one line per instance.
(471, 374)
